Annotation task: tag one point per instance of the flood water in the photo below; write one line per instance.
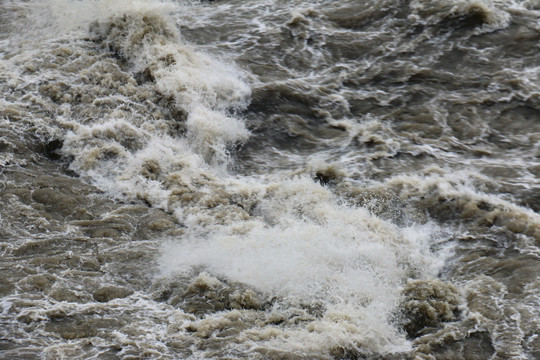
(270, 179)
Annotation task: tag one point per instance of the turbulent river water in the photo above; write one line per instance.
(270, 179)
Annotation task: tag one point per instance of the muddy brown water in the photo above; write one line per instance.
(269, 179)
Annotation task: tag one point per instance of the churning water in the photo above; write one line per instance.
(270, 179)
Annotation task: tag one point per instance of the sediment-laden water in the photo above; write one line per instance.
(257, 179)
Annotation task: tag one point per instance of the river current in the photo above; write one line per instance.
(270, 179)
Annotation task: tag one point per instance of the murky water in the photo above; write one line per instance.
(270, 179)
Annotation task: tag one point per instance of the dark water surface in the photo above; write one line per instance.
(270, 179)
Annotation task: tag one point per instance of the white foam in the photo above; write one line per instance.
(306, 249)
(213, 130)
